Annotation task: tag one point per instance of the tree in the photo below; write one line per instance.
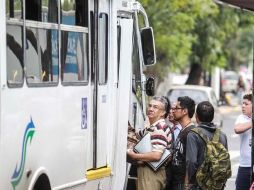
(173, 22)
(211, 31)
(198, 34)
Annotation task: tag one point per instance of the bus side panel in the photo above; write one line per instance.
(43, 127)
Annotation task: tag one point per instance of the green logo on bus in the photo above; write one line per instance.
(18, 172)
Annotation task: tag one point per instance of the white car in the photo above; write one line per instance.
(198, 94)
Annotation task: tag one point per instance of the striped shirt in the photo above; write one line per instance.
(160, 135)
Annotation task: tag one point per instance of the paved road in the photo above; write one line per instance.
(229, 117)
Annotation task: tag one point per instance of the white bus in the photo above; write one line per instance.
(71, 77)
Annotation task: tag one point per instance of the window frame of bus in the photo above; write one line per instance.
(41, 24)
(81, 27)
(59, 30)
(103, 53)
(11, 20)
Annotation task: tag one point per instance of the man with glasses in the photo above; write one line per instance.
(148, 179)
(243, 126)
(183, 112)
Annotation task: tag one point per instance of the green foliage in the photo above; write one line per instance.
(198, 32)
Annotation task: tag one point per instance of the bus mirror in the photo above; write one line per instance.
(148, 46)
(150, 86)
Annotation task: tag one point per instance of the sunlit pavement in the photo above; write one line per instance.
(229, 109)
(229, 115)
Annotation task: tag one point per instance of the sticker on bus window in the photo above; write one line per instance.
(84, 114)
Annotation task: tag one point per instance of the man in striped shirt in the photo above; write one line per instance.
(148, 179)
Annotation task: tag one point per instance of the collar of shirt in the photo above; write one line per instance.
(158, 121)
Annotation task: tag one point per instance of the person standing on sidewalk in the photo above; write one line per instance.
(243, 126)
(173, 124)
(197, 145)
(183, 112)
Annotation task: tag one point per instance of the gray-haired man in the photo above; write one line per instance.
(160, 134)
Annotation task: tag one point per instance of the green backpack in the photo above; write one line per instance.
(216, 167)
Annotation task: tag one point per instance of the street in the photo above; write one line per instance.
(230, 114)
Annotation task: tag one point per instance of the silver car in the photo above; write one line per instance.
(229, 80)
(198, 94)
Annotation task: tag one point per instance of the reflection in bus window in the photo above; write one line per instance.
(103, 49)
(42, 55)
(74, 12)
(14, 55)
(44, 10)
(136, 77)
(13, 9)
(74, 57)
(14, 43)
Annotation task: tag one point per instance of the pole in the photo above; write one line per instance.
(252, 143)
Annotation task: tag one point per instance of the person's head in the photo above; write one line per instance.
(170, 114)
(158, 108)
(185, 107)
(247, 105)
(204, 112)
(240, 78)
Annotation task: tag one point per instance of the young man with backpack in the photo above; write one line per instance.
(207, 158)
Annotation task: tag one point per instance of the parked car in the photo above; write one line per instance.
(198, 94)
(229, 80)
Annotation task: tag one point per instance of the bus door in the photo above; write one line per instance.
(124, 43)
(101, 90)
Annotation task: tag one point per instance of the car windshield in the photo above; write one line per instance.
(231, 76)
(196, 95)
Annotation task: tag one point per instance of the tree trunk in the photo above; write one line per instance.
(195, 75)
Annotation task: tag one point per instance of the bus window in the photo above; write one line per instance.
(136, 77)
(42, 55)
(14, 43)
(41, 39)
(74, 41)
(103, 49)
(43, 11)
(13, 9)
(74, 13)
(74, 58)
(14, 55)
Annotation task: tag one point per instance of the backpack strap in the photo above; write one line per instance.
(200, 133)
(216, 136)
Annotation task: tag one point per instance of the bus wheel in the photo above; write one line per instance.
(42, 183)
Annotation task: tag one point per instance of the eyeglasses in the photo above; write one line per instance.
(177, 108)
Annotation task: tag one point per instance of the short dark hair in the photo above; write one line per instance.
(188, 103)
(248, 97)
(166, 103)
(205, 111)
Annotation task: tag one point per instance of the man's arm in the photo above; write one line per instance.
(242, 127)
(191, 156)
(146, 157)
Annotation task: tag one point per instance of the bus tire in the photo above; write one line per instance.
(42, 183)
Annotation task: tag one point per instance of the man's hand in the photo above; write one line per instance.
(146, 157)
(131, 154)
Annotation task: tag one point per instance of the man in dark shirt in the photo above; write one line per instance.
(183, 112)
(196, 146)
